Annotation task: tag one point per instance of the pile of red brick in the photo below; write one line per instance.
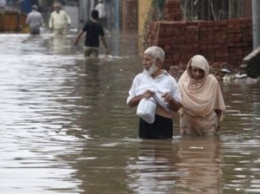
(225, 41)
(172, 10)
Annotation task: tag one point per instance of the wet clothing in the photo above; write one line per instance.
(91, 51)
(59, 21)
(162, 128)
(200, 101)
(161, 84)
(93, 31)
(35, 20)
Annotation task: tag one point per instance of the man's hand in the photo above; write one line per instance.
(172, 103)
(167, 97)
(148, 94)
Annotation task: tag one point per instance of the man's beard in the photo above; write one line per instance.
(152, 69)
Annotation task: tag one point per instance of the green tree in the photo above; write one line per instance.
(158, 9)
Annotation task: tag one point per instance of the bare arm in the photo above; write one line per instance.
(103, 39)
(50, 21)
(219, 113)
(135, 100)
(41, 20)
(78, 37)
(68, 18)
(28, 19)
(174, 105)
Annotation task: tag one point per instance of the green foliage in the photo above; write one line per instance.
(155, 14)
(158, 4)
(157, 10)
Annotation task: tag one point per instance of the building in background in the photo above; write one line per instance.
(130, 16)
(215, 9)
(113, 10)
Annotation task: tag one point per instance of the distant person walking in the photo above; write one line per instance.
(34, 20)
(101, 8)
(93, 31)
(59, 20)
(2, 4)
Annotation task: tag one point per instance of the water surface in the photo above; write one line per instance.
(65, 127)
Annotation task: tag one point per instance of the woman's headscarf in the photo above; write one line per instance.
(200, 97)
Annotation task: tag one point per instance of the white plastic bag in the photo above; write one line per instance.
(146, 109)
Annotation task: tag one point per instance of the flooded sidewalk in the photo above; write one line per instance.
(65, 127)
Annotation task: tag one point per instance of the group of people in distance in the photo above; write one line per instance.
(196, 97)
(59, 21)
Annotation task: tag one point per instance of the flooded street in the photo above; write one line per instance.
(65, 127)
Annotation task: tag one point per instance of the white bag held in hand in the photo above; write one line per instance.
(146, 110)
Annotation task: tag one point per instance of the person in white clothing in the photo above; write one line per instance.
(35, 20)
(2, 4)
(155, 82)
(102, 16)
(59, 20)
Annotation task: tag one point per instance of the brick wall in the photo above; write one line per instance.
(172, 10)
(219, 41)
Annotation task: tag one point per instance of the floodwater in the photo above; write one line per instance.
(65, 127)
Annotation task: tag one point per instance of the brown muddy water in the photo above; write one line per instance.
(65, 127)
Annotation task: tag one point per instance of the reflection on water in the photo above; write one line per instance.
(154, 169)
(185, 165)
(65, 127)
(200, 165)
(60, 45)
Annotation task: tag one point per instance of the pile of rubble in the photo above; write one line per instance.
(222, 71)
